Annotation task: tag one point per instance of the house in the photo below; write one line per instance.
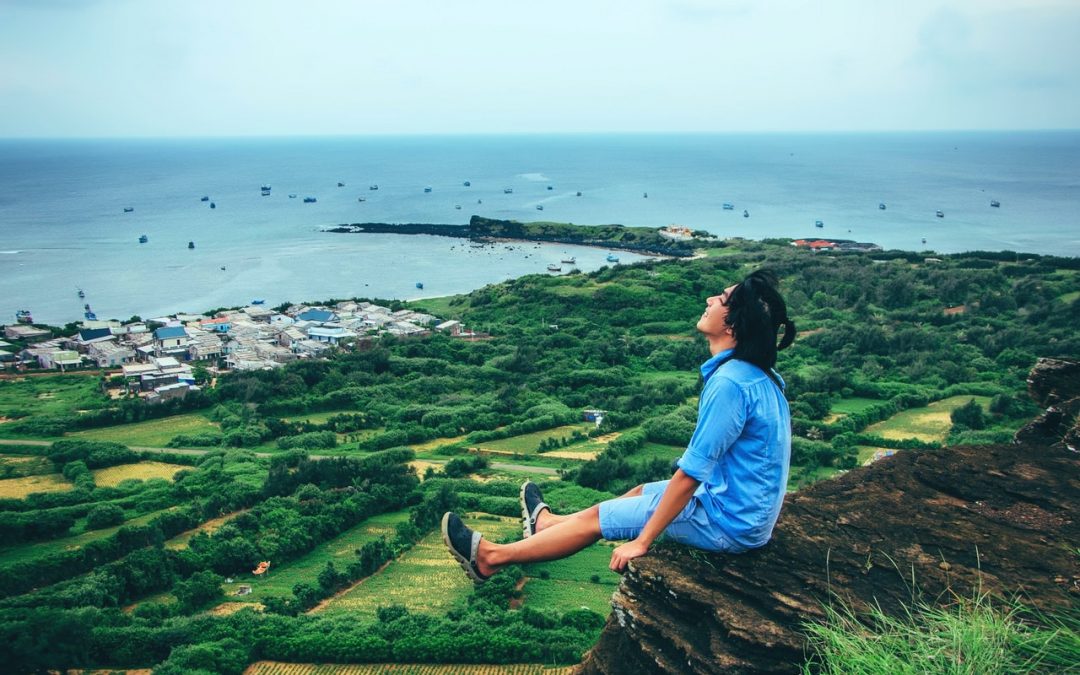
(89, 336)
(169, 392)
(171, 340)
(205, 348)
(259, 314)
(328, 333)
(220, 324)
(290, 335)
(317, 316)
(309, 348)
(59, 359)
(450, 327)
(28, 333)
(108, 354)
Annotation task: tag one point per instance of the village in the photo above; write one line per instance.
(157, 358)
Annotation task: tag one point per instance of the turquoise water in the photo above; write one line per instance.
(63, 223)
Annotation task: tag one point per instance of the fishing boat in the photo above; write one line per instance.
(258, 301)
(427, 189)
(81, 293)
(213, 205)
(265, 190)
(539, 207)
(420, 285)
(995, 203)
(361, 199)
(728, 206)
(745, 213)
(191, 244)
(551, 187)
(23, 316)
(310, 200)
(374, 186)
(340, 184)
(292, 196)
(940, 214)
(467, 184)
(204, 198)
(143, 239)
(881, 205)
(611, 257)
(818, 223)
(129, 209)
(508, 191)
(90, 316)
(553, 268)
(579, 193)
(457, 206)
(569, 261)
(645, 196)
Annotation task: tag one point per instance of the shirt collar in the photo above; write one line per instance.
(710, 366)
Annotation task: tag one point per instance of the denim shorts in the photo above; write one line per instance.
(625, 518)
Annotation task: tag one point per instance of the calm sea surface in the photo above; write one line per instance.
(63, 224)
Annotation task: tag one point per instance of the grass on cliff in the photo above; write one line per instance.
(976, 637)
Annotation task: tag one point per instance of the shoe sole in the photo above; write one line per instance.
(526, 531)
(466, 566)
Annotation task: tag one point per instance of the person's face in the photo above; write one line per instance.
(713, 321)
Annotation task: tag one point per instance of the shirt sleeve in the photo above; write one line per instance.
(721, 417)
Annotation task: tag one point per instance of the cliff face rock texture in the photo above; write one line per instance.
(1055, 385)
(921, 525)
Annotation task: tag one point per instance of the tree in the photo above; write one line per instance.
(969, 416)
(104, 515)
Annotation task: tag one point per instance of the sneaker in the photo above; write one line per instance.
(532, 503)
(463, 544)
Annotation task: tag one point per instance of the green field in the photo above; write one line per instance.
(50, 395)
(151, 433)
(526, 444)
(341, 550)
(651, 451)
(18, 466)
(569, 584)
(930, 424)
(425, 578)
(440, 306)
(26, 552)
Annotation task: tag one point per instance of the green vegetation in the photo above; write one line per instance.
(878, 366)
(973, 636)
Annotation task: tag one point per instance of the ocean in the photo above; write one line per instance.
(64, 226)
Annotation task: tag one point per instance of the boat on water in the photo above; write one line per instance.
(645, 196)
(361, 199)
(940, 214)
(995, 203)
(213, 205)
(258, 301)
(23, 316)
(539, 207)
(129, 209)
(508, 191)
(551, 187)
(90, 316)
(728, 206)
(745, 213)
(143, 238)
(924, 240)
(457, 206)
(265, 188)
(81, 293)
(427, 189)
(373, 186)
(881, 205)
(552, 267)
(611, 257)
(204, 198)
(340, 184)
(420, 285)
(467, 184)
(310, 200)
(191, 244)
(579, 193)
(818, 223)
(292, 196)
(569, 261)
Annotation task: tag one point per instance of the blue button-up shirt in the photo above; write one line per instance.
(741, 449)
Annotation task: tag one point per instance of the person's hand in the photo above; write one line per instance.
(627, 552)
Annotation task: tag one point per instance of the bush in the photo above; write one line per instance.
(969, 416)
(104, 515)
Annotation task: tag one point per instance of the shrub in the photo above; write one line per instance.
(104, 515)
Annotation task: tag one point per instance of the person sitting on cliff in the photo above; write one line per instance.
(729, 486)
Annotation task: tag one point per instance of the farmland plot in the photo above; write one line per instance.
(278, 668)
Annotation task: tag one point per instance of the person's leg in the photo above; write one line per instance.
(547, 519)
(568, 536)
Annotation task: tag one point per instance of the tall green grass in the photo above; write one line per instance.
(972, 637)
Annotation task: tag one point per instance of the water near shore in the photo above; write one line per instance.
(64, 227)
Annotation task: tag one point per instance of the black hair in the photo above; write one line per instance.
(756, 312)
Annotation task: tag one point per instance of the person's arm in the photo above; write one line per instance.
(675, 498)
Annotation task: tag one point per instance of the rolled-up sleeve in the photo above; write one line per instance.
(721, 417)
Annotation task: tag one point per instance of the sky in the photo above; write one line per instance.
(118, 68)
